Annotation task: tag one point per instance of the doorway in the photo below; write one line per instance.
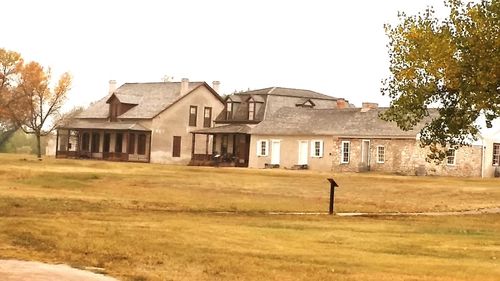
(302, 153)
(365, 154)
(275, 152)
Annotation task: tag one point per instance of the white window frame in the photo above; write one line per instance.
(378, 154)
(495, 161)
(454, 157)
(259, 148)
(313, 148)
(342, 152)
(251, 110)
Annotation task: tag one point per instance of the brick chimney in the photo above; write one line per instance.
(112, 86)
(366, 106)
(341, 103)
(184, 86)
(215, 86)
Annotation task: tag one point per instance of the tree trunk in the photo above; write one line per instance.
(38, 146)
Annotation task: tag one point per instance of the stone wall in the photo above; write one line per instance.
(403, 156)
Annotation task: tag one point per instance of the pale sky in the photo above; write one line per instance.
(336, 48)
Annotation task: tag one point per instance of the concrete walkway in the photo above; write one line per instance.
(14, 270)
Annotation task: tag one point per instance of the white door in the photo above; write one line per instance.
(302, 153)
(365, 153)
(275, 152)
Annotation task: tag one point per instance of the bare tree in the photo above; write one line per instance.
(43, 103)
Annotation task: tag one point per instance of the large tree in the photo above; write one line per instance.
(451, 64)
(43, 102)
(10, 64)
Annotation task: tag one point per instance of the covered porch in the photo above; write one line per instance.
(230, 146)
(104, 141)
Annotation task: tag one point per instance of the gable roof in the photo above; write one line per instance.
(151, 99)
(348, 122)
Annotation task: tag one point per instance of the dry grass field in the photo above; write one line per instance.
(160, 222)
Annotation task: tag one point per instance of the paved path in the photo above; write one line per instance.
(14, 270)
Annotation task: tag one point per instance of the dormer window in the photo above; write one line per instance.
(229, 110)
(113, 110)
(251, 109)
(119, 104)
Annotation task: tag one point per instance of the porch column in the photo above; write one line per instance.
(78, 143)
(192, 145)
(234, 144)
(67, 144)
(90, 143)
(57, 141)
(206, 147)
(127, 135)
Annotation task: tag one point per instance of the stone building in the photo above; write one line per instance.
(142, 122)
(353, 140)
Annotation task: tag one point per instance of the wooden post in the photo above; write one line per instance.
(333, 184)
(192, 145)
(91, 140)
(67, 144)
(150, 143)
(57, 141)
(206, 147)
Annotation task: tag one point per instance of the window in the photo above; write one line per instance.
(496, 154)
(450, 156)
(176, 147)
(262, 148)
(229, 110)
(85, 141)
(193, 112)
(345, 151)
(96, 141)
(251, 110)
(207, 117)
(317, 148)
(118, 142)
(380, 154)
(131, 144)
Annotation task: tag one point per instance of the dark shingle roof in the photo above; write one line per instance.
(280, 91)
(349, 122)
(226, 129)
(151, 99)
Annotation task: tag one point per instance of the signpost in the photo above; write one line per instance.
(333, 184)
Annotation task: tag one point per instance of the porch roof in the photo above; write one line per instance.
(81, 124)
(226, 129)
